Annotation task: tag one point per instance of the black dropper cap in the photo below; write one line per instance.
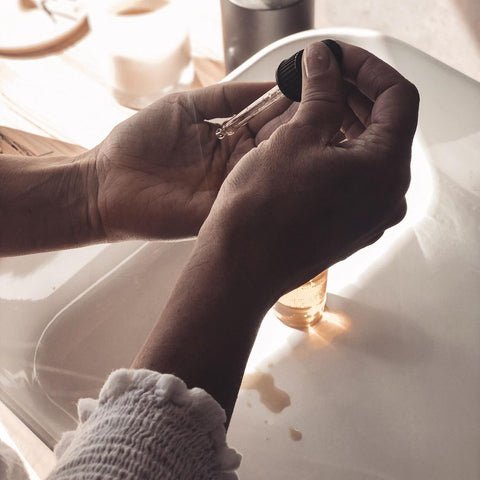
(289, 72)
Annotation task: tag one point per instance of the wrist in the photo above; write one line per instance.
(208, 327)
(47, 203)
(73, 209)
(240, 267)
(85, 182)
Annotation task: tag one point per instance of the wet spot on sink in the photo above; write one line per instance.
(271, 396)
(295, 435)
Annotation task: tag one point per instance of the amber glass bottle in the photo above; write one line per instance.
(303, 306)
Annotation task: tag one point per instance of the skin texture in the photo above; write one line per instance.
(160, 171)
(324, 201)
(155, 176)
(293, 206)
(45, 204)
(274, 205)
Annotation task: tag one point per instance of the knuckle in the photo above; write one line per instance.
(395, 217)
(415, 94)
(399, 182)
(410, 93)
(297, 133)
(402, 211)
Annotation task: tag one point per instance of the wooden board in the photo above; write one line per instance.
(17, 142)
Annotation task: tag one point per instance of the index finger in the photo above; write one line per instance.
(396, 100)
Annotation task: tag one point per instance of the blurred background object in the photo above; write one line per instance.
(448, 30)
(38, 27)
(250, 25)
(146, 47)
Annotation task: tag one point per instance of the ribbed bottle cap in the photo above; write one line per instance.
(289, 76)
(289, 72)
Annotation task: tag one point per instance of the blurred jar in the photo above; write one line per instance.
(303, 306)
(146, 47)
(250, 25)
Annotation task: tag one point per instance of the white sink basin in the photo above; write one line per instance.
(388, 387)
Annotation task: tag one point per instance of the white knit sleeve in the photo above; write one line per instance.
(147, 425)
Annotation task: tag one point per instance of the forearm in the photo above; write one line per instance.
(209, 325)
(46, 204)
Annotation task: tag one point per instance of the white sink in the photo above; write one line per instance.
(388, 387)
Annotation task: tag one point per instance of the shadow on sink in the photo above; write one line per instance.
(29, 264)
(104, 328)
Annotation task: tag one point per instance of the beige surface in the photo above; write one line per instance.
(449, 30)
(16, 142)
(35, 453)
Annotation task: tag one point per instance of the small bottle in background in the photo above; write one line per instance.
(250, 25)
(304, 306)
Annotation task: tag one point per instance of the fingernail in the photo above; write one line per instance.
(336, 49)
(317, 59)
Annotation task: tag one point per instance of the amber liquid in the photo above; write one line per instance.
(303, 306)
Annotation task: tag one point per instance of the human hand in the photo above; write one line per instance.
(300, 202)
(157, 174)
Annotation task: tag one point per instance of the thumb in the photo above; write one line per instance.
(323, 98)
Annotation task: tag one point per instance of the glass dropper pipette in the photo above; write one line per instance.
(231, 126)
(289, 84)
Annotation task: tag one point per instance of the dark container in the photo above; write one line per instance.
(250, 25)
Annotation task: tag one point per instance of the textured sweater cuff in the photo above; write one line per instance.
(147, 425)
